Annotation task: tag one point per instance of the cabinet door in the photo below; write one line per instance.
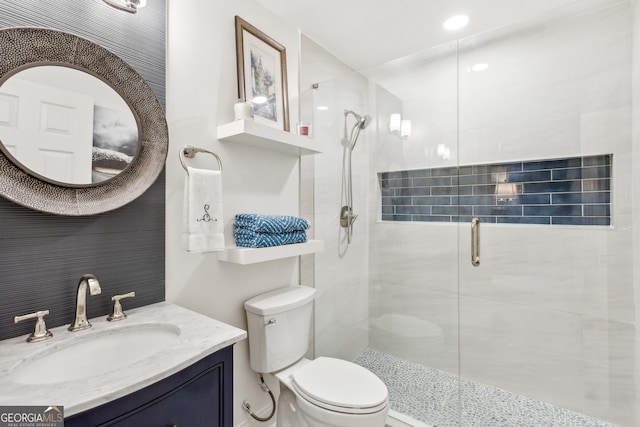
(196, 403)
(200, 395)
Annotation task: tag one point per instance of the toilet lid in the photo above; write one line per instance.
(340, 386)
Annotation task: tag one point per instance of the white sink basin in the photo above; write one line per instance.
(95, 353)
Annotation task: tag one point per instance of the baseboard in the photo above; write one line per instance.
(245, 419)
(396, 419)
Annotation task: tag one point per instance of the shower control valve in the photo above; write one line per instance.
(347, 218)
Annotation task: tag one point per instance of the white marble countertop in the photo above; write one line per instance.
(199, 336)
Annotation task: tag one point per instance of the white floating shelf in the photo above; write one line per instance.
(252, 133)
(245, 256)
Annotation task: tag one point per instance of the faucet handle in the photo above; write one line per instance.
(41, 332)
(117, 313)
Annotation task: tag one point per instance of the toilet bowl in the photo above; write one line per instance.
(328, 392)
(325, 392)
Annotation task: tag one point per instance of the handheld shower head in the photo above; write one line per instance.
(361, 121)
(364, 121)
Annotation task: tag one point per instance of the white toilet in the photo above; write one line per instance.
(324, 392)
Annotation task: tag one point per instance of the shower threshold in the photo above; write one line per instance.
(439, 399)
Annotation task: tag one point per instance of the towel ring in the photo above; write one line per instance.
(190, 152)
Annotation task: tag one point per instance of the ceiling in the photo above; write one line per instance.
(368, 33)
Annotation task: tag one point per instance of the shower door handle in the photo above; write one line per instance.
(475, 242)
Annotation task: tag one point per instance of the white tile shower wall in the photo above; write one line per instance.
(341, 271)
(549, 313)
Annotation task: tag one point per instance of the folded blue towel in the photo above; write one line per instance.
(252, 239)
(271, 223)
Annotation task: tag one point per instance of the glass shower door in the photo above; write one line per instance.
(546, 326)
(413, 250)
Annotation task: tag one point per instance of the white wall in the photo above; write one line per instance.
(201, 90)
(550, 313)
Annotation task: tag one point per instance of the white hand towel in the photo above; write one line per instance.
(202, 211)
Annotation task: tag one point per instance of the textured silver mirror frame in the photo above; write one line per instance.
(24, 47)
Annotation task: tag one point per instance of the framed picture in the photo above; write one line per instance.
(262, 75)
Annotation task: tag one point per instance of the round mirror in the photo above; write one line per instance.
(42, 184)
(66, 126)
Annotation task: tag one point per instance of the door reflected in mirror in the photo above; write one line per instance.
(66, 126)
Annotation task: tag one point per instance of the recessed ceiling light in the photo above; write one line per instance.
(322, 108)
(456, 22)
(480, 67)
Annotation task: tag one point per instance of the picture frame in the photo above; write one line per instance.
(262, 75)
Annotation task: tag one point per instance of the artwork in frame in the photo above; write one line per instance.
(262, 75)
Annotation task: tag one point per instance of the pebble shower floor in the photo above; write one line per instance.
(441, 399)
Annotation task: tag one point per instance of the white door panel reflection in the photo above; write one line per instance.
(73, 130)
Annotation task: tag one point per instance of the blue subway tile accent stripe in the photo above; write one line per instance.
(502, 210)
(569, 191)
(596, 161)
(417, 191)
(408, 210)
(554, 210)
(431, 218)
(581, 221)
(529, 176)
(597, 210)
(432, 200)
(552, 186)
(524, 220)
(552, 164)
(572, 198)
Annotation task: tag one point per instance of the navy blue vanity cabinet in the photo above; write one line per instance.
(200, 395)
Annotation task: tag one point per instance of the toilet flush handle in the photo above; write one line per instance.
(270, 321)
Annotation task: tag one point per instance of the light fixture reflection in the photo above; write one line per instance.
(399, 127)
(456, 22)
(259, 99)
(443, 151)
(130, 6)
(506, 192)
(394, 123)
(480, 67)
(405, 129)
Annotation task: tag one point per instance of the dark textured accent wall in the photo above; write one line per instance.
(42, 256)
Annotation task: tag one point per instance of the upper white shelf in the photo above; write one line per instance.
(245, 256)
(261, 136)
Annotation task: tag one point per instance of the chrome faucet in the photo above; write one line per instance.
(80, 322)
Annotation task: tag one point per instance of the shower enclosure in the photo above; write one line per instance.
(529, 129)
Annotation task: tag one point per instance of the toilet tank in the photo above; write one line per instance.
(279, 323)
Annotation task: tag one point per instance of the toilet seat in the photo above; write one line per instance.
(340, 386)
